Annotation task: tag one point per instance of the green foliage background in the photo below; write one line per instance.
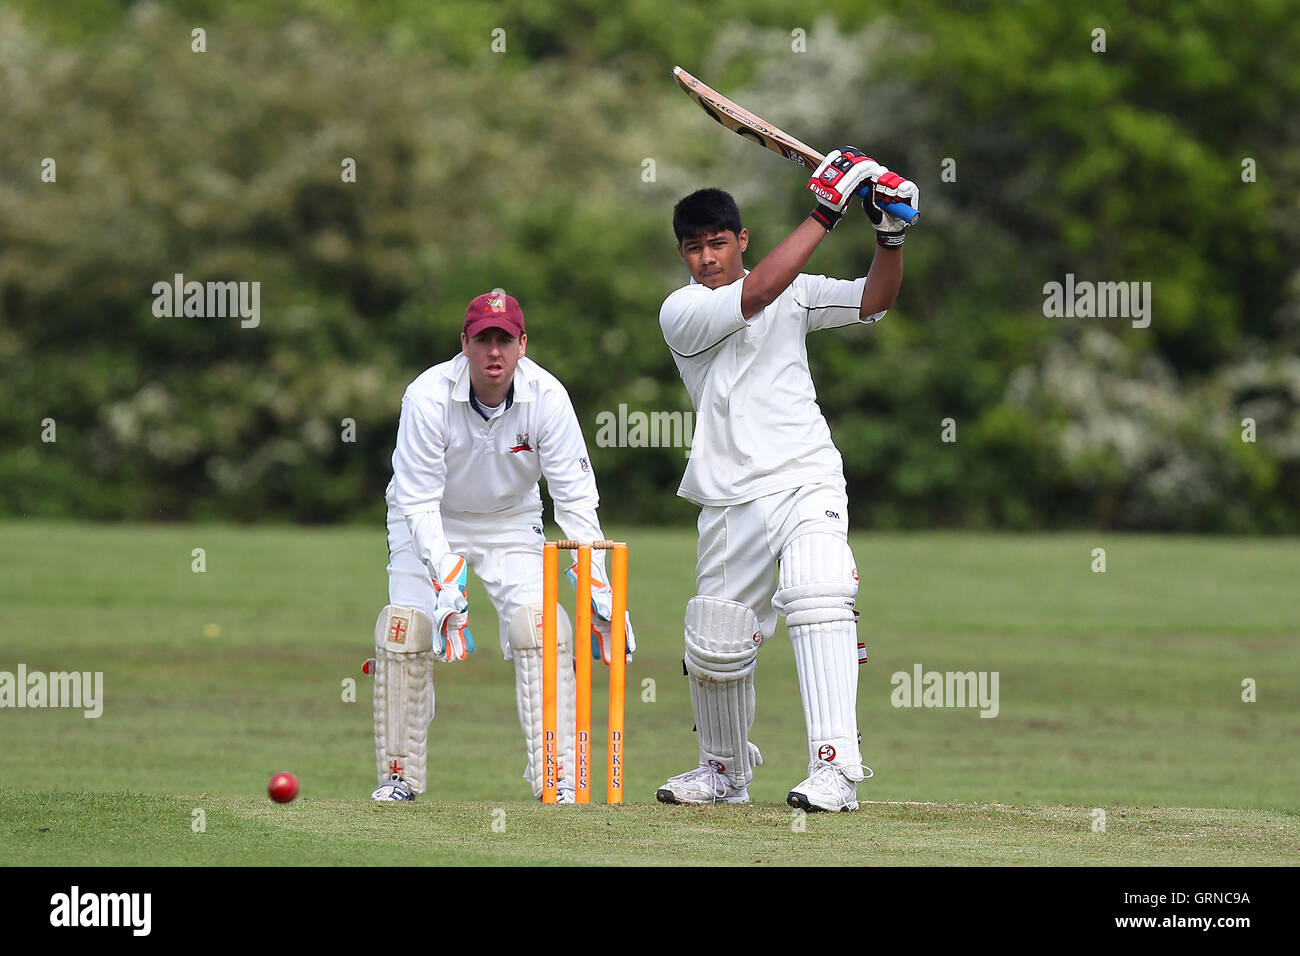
(527, 169)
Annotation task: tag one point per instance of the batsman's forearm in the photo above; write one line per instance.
(883, 281)
(773, 275)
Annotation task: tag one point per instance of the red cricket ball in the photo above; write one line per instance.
(283, 787)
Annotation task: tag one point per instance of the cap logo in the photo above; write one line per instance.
(496, 304)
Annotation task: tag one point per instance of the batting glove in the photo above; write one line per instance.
(602, 610)
(451, 634)
(837, 180)
(888, 186)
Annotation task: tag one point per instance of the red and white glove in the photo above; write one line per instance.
(889, 187)
(837, 180)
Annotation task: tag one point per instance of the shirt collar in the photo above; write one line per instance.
(521, 386)
(491, 413)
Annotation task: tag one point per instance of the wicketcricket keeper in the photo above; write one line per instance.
(476, 433)
(768, 479)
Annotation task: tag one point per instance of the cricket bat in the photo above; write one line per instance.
(739, 120)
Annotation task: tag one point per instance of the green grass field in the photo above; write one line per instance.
(1119, 691)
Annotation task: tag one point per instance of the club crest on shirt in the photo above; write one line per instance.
(521, 443)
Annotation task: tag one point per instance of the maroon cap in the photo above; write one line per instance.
(494, 310)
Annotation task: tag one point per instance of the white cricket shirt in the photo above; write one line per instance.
(450, 460)
(758, 428)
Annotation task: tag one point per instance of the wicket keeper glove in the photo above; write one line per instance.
(888, 186)
(602, 609)
(837, 180)
(452, 638)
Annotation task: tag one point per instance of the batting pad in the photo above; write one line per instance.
(526, 643)
(403, 693)
(817, 590)
(722, 642)
(818, 580)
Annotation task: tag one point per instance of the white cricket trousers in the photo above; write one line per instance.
(740, 544)
(503, 551)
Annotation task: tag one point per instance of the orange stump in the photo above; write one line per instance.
(582, 677)
(550, 595)
(617, 675)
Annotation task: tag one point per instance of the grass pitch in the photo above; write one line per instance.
(1119, 692)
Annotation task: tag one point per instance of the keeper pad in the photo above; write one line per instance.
(525, 633)
(403, 693)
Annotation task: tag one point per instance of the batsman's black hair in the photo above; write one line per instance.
(705, 212)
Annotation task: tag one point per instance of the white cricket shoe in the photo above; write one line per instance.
(701, 785)
(826, 789)
(394, 788)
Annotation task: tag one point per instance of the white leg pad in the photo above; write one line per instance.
(525, 633)
(403, 694)
(817, 590)
(722, 642)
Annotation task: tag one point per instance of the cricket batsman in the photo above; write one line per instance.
(476, 433)
(768, 479)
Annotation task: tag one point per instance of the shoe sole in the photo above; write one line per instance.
(800, 802)
(664, 795)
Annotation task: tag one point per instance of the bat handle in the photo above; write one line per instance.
(899, 210)
(903, 211)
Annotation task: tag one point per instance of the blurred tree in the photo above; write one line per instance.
(1036, 157)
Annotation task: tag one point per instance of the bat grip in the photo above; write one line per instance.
(902, 211)
(899, 210)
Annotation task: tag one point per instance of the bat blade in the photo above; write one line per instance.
(740, 120)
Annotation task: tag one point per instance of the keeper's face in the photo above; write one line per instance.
(715, 260)
(493, 355)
